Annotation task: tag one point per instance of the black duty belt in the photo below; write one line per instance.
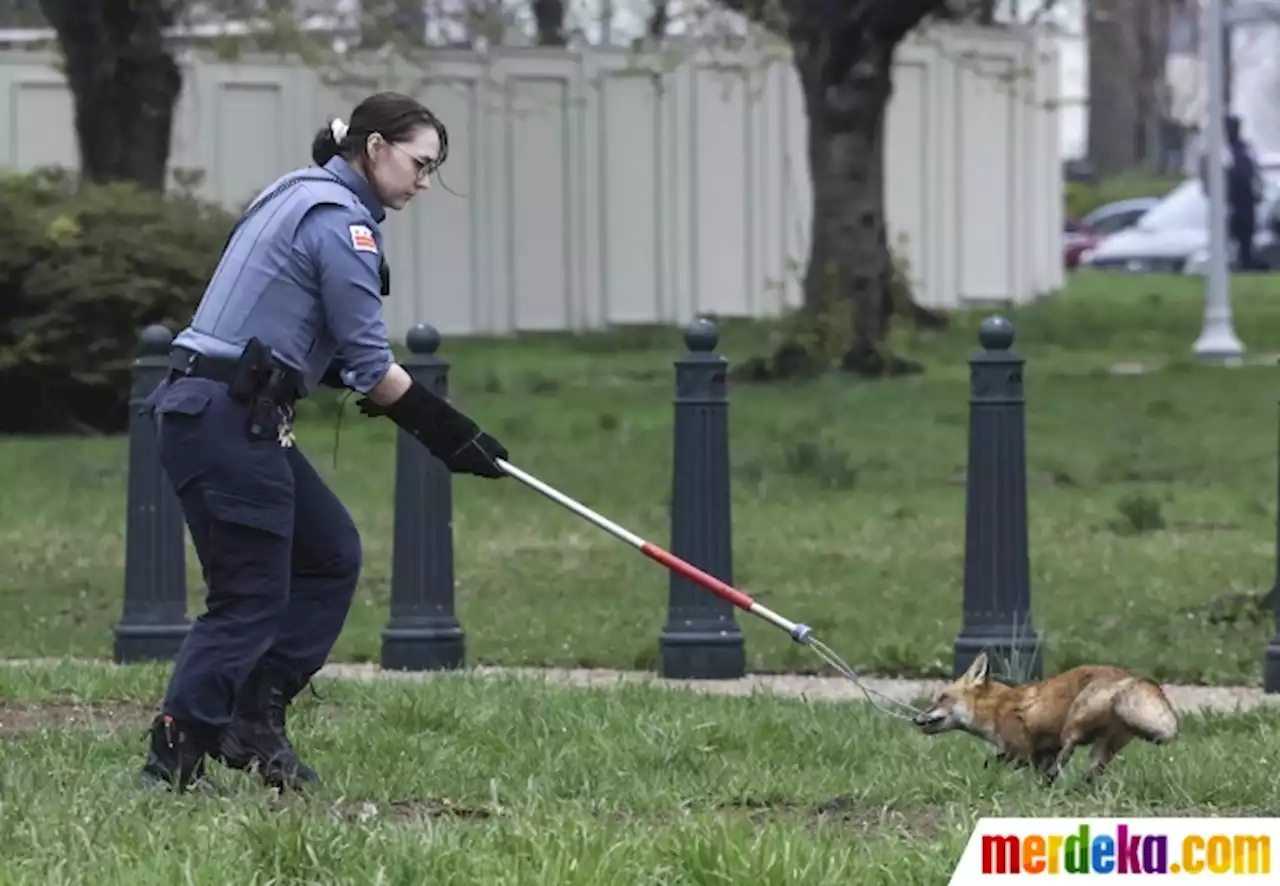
(184, 361)
(192, 364)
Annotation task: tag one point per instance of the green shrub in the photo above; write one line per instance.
(83, 270)
(1082, 197)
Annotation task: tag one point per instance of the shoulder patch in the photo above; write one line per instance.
(362, 239)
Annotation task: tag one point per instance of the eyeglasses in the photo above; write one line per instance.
(424, 167)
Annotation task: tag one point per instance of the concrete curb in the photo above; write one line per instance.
(1185, 698)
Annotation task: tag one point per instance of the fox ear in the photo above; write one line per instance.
(977, 672)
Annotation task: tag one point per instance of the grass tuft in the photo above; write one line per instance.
(467, 780)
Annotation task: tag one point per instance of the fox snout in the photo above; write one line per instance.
(953, 706)
(934, 720)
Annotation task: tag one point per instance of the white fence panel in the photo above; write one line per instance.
(598, 188)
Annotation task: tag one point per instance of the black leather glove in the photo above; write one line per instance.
(331, 378)
(477, 457)
(446, 432)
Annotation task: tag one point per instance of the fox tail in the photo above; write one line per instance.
(1144, 708)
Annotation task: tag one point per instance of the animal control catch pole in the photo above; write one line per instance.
(801, 633)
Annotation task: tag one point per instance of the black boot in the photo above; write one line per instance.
(175, 758)
(257, 736)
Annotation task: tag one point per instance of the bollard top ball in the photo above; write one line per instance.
(154, 341)
(701, 336)
(423, 339)
(996, 333)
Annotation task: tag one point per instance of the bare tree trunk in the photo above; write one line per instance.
(548, 15)
(1152, 19)
(850, 290)
(849, 256)
(844, 55)
(124, 82)
(1117, 93)
(659, 18)
(984, 12)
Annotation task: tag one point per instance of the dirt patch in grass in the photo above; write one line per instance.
(1203, 812)
(409, 811)
(19, 719)
(922, 821)
(914, 822)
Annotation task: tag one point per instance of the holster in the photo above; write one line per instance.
(269, 389)
(249, 377)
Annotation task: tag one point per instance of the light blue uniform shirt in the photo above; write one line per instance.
(301, 275)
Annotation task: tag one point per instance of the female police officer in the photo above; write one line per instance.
(295, 297)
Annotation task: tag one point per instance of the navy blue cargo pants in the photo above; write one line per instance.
(279, 552)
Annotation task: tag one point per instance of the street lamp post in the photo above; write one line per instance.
(1218, 340)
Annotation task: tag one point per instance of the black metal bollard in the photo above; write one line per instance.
(701, 639)
(997, 581)
(154, 622)
(423, 633)
(1271, 657)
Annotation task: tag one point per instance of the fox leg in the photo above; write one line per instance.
(1104, 752)
(1008, 758)
(1086, 723)
(1044, 759)
(1070, 738)
(1039, 760)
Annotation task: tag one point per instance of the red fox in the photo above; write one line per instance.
(1041, 724)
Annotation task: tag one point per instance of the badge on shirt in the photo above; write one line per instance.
(362, 239)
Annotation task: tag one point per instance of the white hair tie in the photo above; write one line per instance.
(339, 129)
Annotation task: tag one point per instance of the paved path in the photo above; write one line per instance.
(1185, 698)
(830, 689)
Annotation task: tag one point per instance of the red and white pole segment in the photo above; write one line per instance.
(798, 632)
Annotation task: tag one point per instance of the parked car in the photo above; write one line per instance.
(1173, 236)
(1087, 232)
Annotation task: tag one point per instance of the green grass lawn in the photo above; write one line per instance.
(1152, 498)
(490, 782)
